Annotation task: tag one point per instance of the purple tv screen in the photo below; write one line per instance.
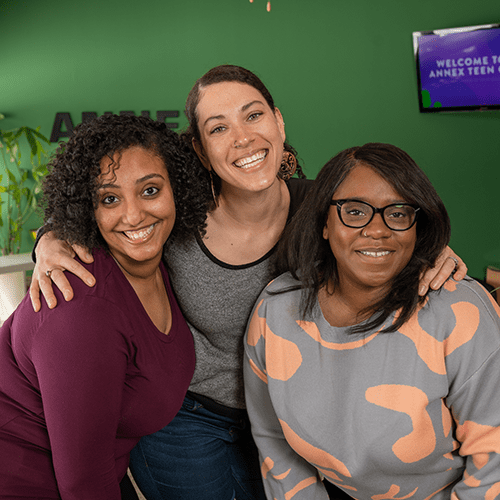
(458, 69)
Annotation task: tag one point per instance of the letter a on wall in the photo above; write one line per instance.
(57, 133)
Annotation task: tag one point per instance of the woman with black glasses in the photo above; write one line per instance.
(349, 374)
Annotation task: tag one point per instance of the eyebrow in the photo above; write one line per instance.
(243, 108)
(138, 181)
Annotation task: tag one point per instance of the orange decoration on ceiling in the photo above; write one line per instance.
(268, 6)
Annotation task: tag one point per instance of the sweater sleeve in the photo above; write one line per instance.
(285, 473)
(475, 407)
(80, 357)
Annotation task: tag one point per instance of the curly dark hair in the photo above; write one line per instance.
(219, 74)
(308, 256)
(71, 186)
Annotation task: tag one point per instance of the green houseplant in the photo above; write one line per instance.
(20, 183)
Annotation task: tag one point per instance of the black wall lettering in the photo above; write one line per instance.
(65, 118)
(162, 115)
(57, 133)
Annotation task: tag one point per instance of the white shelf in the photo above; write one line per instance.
(13, 282)
(17, 262)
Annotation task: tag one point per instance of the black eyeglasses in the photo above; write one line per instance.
(357, 214)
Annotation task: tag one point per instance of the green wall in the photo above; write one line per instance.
(342, 74)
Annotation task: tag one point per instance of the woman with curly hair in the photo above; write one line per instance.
(80, 384)
(207, 452)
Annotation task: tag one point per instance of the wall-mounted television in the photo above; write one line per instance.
(458, 69)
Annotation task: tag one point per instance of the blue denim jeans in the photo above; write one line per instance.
(200, 455)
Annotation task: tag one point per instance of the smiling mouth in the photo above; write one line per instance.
(374, 254)
(251, 161)
(140, 235)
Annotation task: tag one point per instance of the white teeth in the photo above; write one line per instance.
(139, 235)
(374, 254)
(250, 160)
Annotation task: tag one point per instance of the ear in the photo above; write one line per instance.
(325, 231)
(281, 123)
(201, 153)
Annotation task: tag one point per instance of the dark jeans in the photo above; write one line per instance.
(200, 455)
(204, 456)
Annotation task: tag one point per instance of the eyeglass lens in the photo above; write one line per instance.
(359, 214)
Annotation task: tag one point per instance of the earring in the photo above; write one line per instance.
(288, 166)
(212, 186)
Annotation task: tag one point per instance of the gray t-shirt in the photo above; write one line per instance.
(216, 299)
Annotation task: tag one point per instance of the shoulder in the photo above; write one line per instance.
(82, 323)
(296, 185)
(183, 250)
(102, 265)
(460, 310)
(111, 292)
(281, 293)
(298, 190)
(282, 284)
(96, 316)
(465, 319)
(276, 307)
(466, 291)
(299, 187)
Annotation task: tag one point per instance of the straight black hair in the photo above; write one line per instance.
(307, 255)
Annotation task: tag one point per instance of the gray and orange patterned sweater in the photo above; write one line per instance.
(413, 414)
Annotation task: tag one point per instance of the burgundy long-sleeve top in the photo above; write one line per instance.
(80, 384)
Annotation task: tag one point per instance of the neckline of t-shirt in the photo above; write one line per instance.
(344, 331)
(225, 265)
(174, 327)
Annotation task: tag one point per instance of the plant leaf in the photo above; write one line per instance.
(12, 177)
(32, 142)
(39, 135)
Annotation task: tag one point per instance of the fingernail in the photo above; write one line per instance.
(422, 290)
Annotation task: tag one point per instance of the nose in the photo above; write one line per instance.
(133, 213)
(241, 137)
(377, 228)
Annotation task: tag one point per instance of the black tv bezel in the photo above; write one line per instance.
(447, 31)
